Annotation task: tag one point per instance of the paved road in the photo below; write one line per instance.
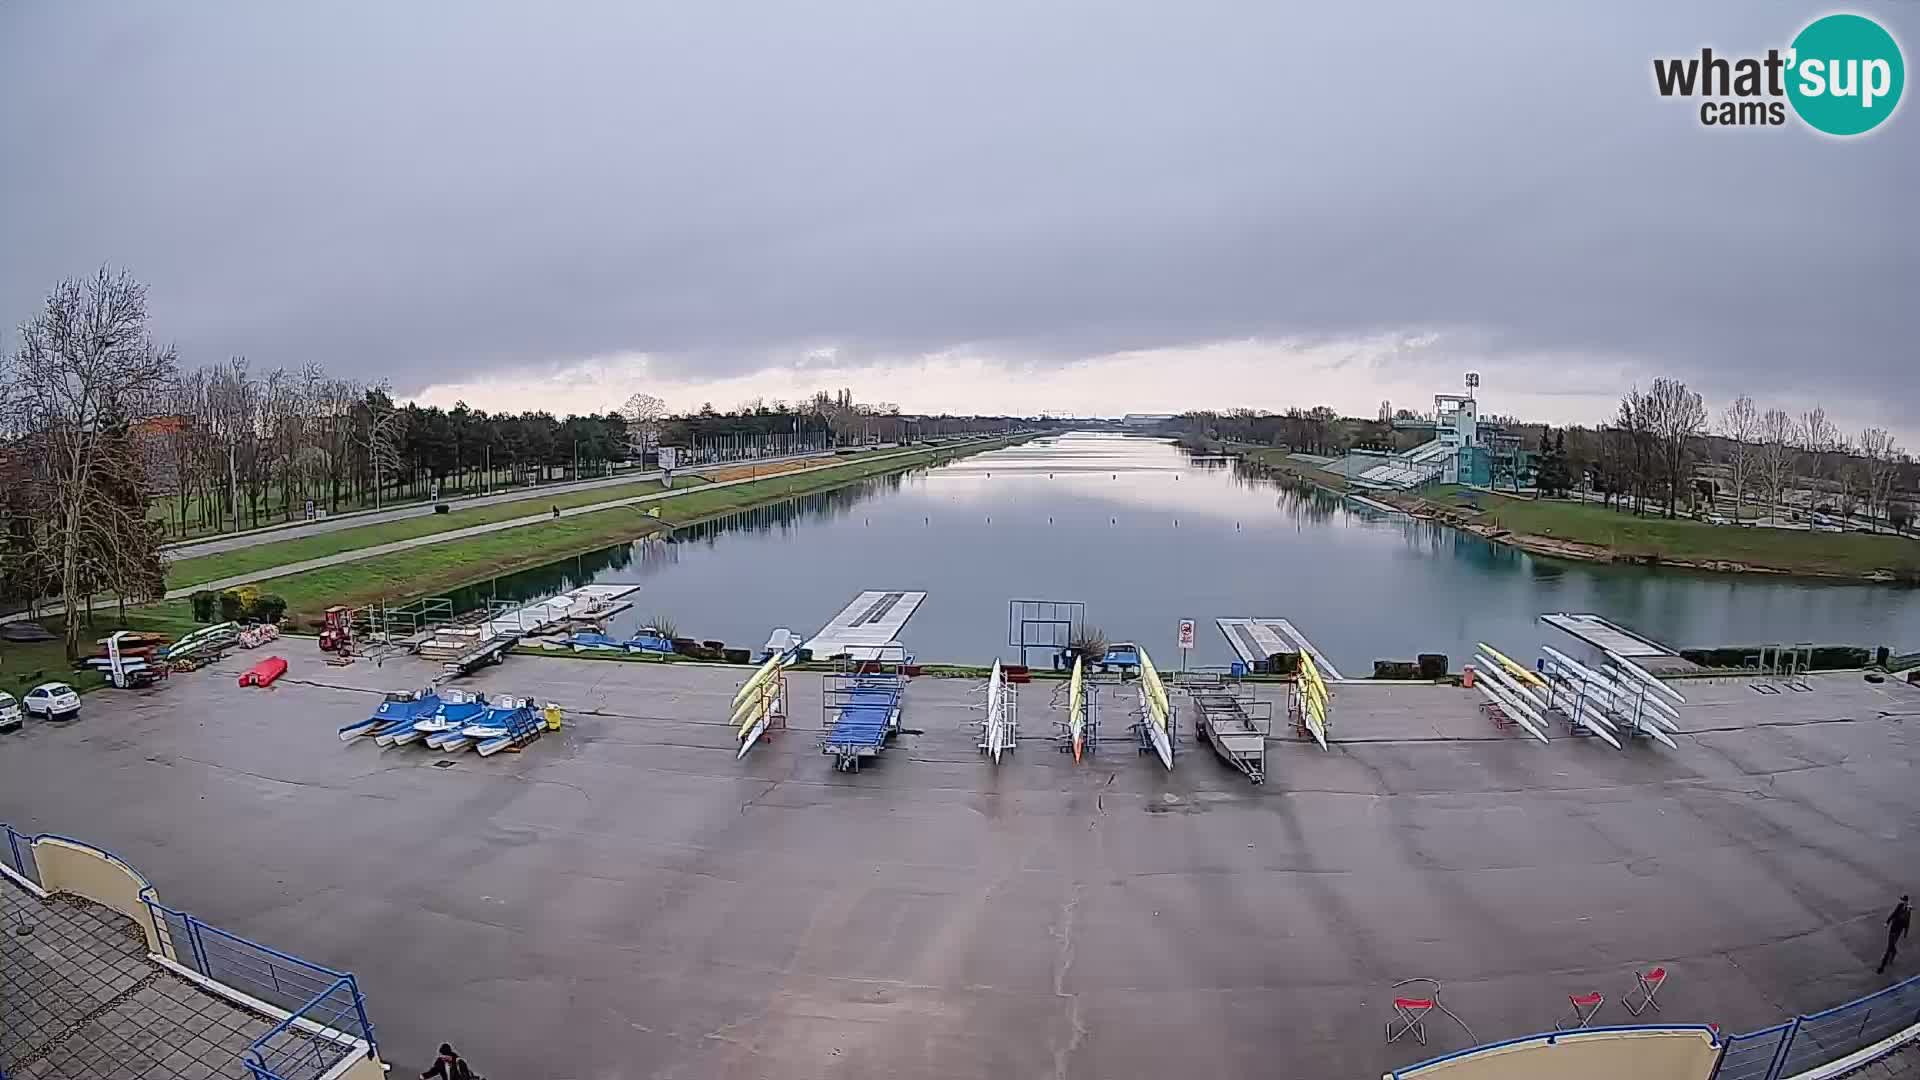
(626, 899)
(188, 549)
(480, 530)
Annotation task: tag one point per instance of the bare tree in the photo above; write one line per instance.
(1740, 425)
(382, 436)
(1850, 480)
(85, 371)
(1774, 463)
(1638, 454)
(644, 413)
(1880, 461)
(1817, 436)
(1677, 419)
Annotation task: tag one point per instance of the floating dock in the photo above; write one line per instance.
(591, 602)
(1254, 640)
(873, 620)
(1373, 504)
(1610, 638)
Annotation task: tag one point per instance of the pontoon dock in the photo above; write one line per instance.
(872, 620)
(1254, 640)
(1607, 636)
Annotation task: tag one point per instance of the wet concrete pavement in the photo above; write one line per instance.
(624, 899)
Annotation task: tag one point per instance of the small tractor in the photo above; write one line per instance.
(337, 634)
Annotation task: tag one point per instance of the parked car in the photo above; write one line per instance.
(9, 712)
(49, 700)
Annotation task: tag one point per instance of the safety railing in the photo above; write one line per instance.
(20, 854)
(1848, 1029)
(1755, 1055)
(295, 1050)
(326, 1010)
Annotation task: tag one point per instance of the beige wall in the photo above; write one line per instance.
(363, 1068)
(83, 871)
(1596, 1055)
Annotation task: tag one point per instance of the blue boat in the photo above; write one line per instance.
(591, 642)
(442, 730)
(400, 707)
(508, 723)
(647, 640)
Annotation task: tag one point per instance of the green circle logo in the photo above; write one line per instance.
(1846, 74)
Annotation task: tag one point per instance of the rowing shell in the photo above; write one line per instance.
(1077, 710)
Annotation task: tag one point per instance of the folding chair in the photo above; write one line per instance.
(1584, 1008)
(1410, 1014)
(1649, 985)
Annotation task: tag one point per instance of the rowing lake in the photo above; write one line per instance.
(1144, 537)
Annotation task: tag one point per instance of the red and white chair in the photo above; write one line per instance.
(1410, 1014)
(1584, 1008)
(1648, 984)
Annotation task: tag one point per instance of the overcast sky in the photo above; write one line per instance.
(1100, 207)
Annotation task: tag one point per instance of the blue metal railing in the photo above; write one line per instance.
(1755, 1055)
(20, 854)
(1850, 1028)
(310, 993)
(293, 1051)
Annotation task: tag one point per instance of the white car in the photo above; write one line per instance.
(9, 712)
(49, 700)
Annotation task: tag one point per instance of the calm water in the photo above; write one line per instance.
(1144, 538)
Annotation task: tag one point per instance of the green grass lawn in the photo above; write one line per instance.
(1853, 554)
(25, 665)
(261, 556)
(437, 568)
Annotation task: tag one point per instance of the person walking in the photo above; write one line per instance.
(1896, 929)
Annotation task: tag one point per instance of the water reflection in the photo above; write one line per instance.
(1146, 537)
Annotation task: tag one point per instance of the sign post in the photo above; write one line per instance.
(1186, 642)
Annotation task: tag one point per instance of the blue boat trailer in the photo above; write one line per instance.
(860, 712)
(402, 705)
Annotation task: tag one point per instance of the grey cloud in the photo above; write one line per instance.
(427, 192)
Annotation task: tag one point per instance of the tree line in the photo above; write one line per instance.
(1662, 452)
(110, 447)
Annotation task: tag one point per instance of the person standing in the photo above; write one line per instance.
(1896, 929)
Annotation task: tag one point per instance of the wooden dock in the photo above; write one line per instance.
(1254, 640)
(872, 620)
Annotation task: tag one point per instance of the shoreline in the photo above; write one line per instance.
(1552, 547)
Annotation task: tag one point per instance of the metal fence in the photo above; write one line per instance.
(1847, 1029)
(1753, 1056)
(325, 1007)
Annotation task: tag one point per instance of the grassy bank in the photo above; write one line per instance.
(438, 568)
(1277, 460)
(1626, 536)
(246, 560)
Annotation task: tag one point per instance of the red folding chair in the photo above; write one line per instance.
(1584, 1008)
(1410, 1014)
(1649, 985)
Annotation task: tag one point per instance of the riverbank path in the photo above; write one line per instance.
(273, 534)
(357, 554)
